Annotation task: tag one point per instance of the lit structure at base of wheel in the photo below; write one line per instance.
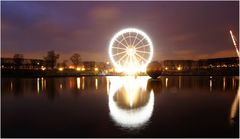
(130, 50)
(130, 104)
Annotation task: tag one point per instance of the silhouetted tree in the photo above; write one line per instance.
(18, 60)
(62, 64)
(76, 59)
(51, 59)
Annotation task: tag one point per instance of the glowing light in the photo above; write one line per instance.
(38, 84)
(133, 117)
(78, 83)
(60, 69)
(96, 84)
(210, 85)
(224, 83)
(179, 68)
(166, 68)
(130, 50)
(42, 83)
(60, 86)
(96, 69)
(235, 107)
(83, 83)
(166, 80)
(71, 67)
(83, 69)
(78, 69)
(234, 43)
(107, 63)
(43, 68)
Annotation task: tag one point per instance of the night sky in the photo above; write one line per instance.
(179, 30)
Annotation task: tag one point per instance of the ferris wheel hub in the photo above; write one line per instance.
(131, 51)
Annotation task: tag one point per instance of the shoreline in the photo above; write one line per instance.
(56, 73)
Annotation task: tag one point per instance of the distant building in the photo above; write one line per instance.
(89, 65)
(10, 63)
(172, 65)
(219, 62)
(175, 65)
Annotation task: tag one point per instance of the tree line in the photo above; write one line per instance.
(50, 60)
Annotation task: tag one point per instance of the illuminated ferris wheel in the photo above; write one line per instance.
(130, 50)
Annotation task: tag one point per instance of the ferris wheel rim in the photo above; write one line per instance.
(129, 30)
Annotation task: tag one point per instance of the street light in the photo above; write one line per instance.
(60, 69)
(179, 68)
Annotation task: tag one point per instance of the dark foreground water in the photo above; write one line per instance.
(176, 106)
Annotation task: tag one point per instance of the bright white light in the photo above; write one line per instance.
(134, 117)
(130, 50)
(78, 83)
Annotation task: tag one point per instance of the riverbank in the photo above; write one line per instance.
(69, 73)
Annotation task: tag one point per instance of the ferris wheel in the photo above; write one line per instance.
(130, 50)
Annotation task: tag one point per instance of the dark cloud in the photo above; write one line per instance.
(179, 30)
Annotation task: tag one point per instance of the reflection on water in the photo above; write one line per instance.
(234, 113)
(130, 104)
(165, 107)
(42, 85)
(96, 83)
(78, 83)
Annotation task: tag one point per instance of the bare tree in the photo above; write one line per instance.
(51, 59)
(18, 60)
(62, 64)
(76, 59)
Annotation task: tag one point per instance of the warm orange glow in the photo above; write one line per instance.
(83, 69)
(60, 69)
(179, 68)
(107, 63)
(71, 67)
(166, 68)
(78, 69)
(43, 68)
(96, 69)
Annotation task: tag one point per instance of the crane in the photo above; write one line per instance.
(235, 43)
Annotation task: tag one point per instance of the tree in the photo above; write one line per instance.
(18, 60)
(51, 59)
(62, 64)
(76, 59)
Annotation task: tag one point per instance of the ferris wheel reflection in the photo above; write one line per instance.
(130, 104)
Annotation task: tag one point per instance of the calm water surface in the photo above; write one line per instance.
(174, 106)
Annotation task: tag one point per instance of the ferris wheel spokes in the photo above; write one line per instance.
(134, 39)
(130, 50)
(143, 52)
(142, 46)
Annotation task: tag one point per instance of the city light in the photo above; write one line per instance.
(96, 69)
(83, 69)
(130, 51)
(166, 68)
(71, 67)
(60, 69)
(43, 68)
(78, 69)
(179, 68)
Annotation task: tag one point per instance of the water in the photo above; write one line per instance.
(173, 106)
